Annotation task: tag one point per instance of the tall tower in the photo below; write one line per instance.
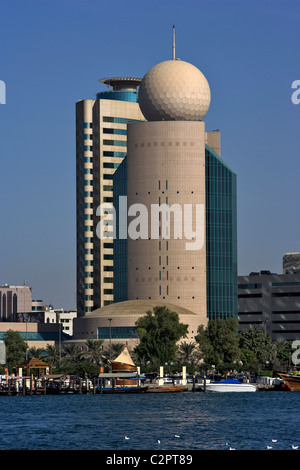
(181, 200)
(101, 145)
(166, 174)
(168, 231)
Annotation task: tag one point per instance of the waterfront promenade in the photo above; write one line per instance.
(63, 385)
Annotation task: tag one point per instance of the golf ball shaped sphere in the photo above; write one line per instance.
(174, 90)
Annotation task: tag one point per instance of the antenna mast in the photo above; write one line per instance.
(173, 42)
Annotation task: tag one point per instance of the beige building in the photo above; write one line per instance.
(166, 169)
(14, 301)
(116, 322)
(178, 245)
(166, 175)
(101, 145)
(35, 334)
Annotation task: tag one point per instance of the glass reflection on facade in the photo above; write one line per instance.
(221, 237)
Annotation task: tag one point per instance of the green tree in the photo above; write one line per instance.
(159, 331)
(248, 359)
(260, 343)
(205, 346)
(283, 353)
(219, 341)
(15, 348)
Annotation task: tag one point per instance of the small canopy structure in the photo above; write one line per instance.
(35, 363)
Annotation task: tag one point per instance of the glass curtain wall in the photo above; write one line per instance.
(221, 237)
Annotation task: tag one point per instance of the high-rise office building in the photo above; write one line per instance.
(101, 145)
(174, 165)
(175, 193)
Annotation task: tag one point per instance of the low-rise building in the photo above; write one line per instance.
(64, 317)
(270, 301)
(35, 334)
(38, 325)
(14, 301)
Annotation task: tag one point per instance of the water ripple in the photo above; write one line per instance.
(202, 421)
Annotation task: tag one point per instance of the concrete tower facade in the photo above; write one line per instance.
(166, 175)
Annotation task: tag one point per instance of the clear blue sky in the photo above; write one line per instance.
(54, 52)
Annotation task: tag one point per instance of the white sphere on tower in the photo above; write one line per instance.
(174, 90)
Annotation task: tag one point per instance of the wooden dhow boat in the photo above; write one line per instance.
(124, 364)
(292, 381)
(166, 389)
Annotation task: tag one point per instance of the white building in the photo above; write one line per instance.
(65, 318)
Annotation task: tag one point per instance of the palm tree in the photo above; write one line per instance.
(39, 353)
(187, 351)
(116, 349)
(52, 355)
(72, 352)
(94, 350)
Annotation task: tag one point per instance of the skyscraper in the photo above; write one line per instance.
(173, 165)
(221, 233)
(176, 194)
(101, 145)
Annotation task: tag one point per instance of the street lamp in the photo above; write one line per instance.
(110, 319)
(59, 339)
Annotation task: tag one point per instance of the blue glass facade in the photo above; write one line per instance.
(120, 245)
(118, 95)
(221, 237)
(39, 335)
(117, 332)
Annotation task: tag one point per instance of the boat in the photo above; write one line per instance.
(228, 385)
(123, 378)
(166, 389)
(123, 390)
(124, 364)
(292, 381)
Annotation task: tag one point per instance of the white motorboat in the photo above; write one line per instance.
(228, 385)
